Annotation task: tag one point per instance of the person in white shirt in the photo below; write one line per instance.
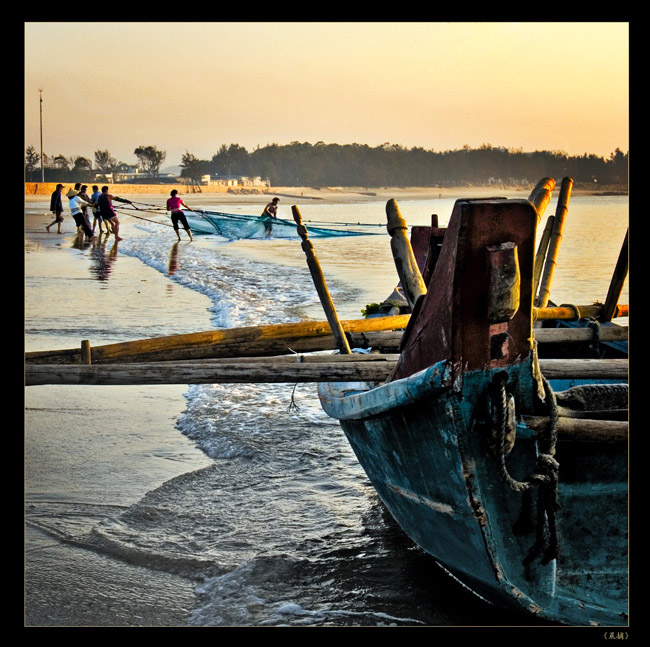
(76, 203)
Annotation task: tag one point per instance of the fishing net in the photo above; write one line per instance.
(234, 226)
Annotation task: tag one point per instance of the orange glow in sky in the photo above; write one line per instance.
(196, 86)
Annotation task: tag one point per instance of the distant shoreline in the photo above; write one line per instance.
(330, 194)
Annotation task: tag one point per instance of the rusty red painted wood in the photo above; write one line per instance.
(452, 322)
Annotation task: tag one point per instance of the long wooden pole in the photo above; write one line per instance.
(40, 91)
(259, 371)
(554, 244)
(271, 339)
(585, 430)
(568, 313)
(617, 282)
(321, 284)
(541, 253)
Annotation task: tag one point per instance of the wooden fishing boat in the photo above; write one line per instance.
(509, 469)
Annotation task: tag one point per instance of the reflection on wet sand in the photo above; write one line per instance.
(173, 260)
(101, 261)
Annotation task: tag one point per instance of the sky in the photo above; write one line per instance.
(195, 86)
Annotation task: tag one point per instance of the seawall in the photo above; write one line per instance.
(47, 188)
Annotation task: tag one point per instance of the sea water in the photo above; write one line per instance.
(282, 528)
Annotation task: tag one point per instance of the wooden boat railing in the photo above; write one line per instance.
(300, 337)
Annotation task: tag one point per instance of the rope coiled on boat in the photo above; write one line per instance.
(544, 477)
(594, 324)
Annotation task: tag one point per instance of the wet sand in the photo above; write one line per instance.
(91, 451)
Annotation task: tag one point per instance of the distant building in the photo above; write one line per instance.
(125, 174)
(121, 173)
(233, 181)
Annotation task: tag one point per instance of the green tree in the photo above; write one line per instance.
(82, 169)
(31, 160)
(193, 167)
(104, 161)
(232, 160)
(150, 159)
(62, 162)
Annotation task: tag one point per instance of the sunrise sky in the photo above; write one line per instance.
(195, 86)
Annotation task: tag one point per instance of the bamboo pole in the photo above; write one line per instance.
(568, 313)
(271, 339)
(554, 244)
(541, 195)
(541, 253)
(617, 282)
(321, 285)
(258, 371)
(405, 263)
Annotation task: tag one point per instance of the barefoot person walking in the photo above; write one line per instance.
(174, 205)
(56, 207)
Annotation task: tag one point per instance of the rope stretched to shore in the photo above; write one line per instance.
(133, 205)
(155, 222)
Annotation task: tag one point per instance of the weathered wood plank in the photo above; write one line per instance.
(258, 371)
(583, 429)
(597, 369)
(575, 335)
(273, 339)
(205, 372)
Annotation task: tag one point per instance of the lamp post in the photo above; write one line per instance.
(40, 91)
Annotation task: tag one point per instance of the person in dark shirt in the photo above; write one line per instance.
(105, 207)
(56, 207)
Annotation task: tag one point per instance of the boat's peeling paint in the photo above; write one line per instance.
(418, 498)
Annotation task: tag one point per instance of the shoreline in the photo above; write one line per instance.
(90, 452)
(333, 195)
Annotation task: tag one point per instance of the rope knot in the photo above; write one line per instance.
(544, 478)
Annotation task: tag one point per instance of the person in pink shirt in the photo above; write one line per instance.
(174, 205)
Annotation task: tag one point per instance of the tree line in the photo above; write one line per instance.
(59, 168)
(320, 164)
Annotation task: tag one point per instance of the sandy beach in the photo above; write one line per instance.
(92, 451)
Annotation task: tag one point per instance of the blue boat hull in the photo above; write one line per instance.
(426, 456)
